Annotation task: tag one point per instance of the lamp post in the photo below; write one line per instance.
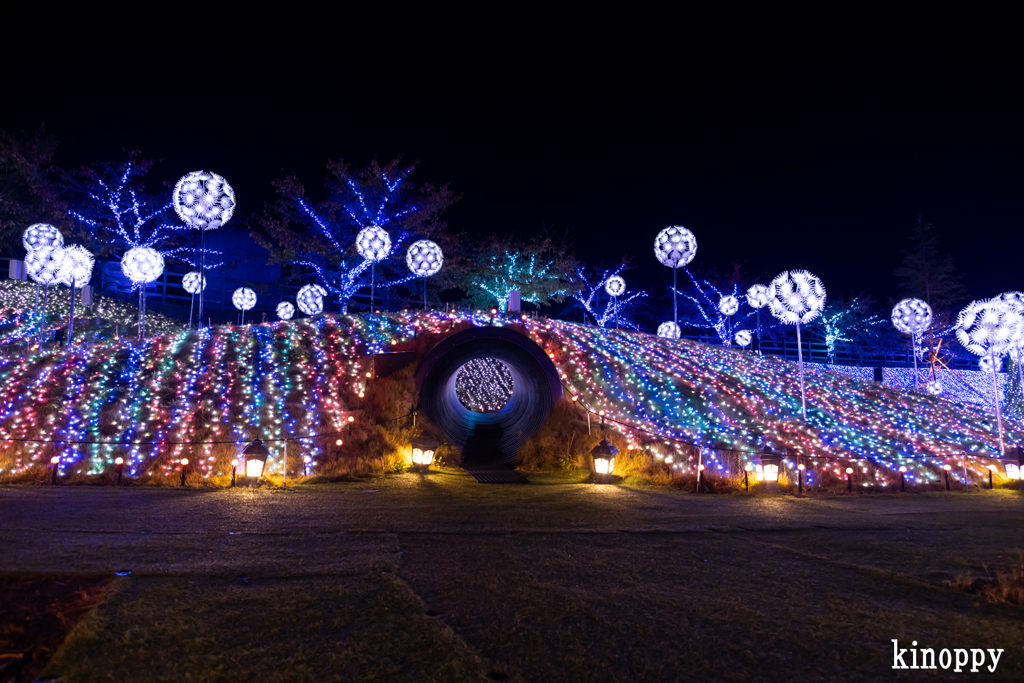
(53, 478)
(423, 449)
(234, 468)
(991, 469)
(903, 486)
(255, 455)
(305, 465)
(800, 478)
(184, 467)
(120, 468)
(849, 480)
(700, 478)
(1015, 470)
(947, 468)
(746, 473)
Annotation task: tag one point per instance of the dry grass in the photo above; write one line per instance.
(1006, 587)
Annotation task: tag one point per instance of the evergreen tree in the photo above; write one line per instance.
(928, 273)
(27, 193)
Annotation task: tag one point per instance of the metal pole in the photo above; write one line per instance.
(286, 462)
(800, 355)
(191, 307)
(42, 319)
(71, 316)
(140, 314)
(675, 307)
(424, 292)
(995, 395)
(373, 284)
(964, 454)
(202, 274)
(913, 341)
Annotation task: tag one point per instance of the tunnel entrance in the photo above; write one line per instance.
(488, 389)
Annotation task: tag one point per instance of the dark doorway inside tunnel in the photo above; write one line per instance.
(488, 389)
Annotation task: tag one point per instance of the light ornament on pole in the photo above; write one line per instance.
(668, 330)
(310, 300)
(675, 246)
(285, 310)
(757, 298)
(423, 449)
(76, 268)
(142, 265)
(41, 235)
(44, 264)
(193, 282)
(615, 286)
(203, 200)
(243, 299)
(913, 317)
(986, 363)
(990, 328)
(934, 387)
(424, 259)
(728, 305)
(373, 244)
(743, 338)
(1016, 301)
(796, 297)
(255, 455)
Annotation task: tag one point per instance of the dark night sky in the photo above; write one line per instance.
(782, 144)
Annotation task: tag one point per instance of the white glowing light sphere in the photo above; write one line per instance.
(44, 263)
(311, 299)
(243, 298)
(743, 338)
(675, 246)
(668, 330)
(985, 364)
(992, 326)
(77, 266)
(934, 387)
(757, 296)
(615, 285)
(728, 305)
(193, 282)
(142, 265)
(1014, 299)
(796, 296)
(373, 243)
(285, 310)
(424, 258)
(911, 316)
(203, 200)
(41, 235)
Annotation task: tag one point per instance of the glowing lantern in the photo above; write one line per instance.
(255, 455)
(423, 449)
(604, 460)
(768, 469)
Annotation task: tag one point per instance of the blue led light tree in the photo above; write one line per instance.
(538, 270)
(704, 311)
(320, 237)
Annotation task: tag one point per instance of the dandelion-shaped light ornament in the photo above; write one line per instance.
(374, 245)
(913, 317)
(285, 310)
(193, 283)
(424, 259)
(675, 246)
(990, 328)
(757, 298)
(934, 387)
(615, 286)
(43, 265)
(310, 300)
(727, 306)
(204, 201)
(243, 298)
(743, 338)
(41, 235)
(142, 265)
(75, 273)
(1016, 301)
(796, 297)
(668, 330)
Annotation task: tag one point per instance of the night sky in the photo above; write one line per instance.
(780, 144)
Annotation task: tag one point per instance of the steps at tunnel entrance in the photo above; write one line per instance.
(484, 461)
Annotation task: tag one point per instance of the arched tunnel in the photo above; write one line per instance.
(495, 435)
